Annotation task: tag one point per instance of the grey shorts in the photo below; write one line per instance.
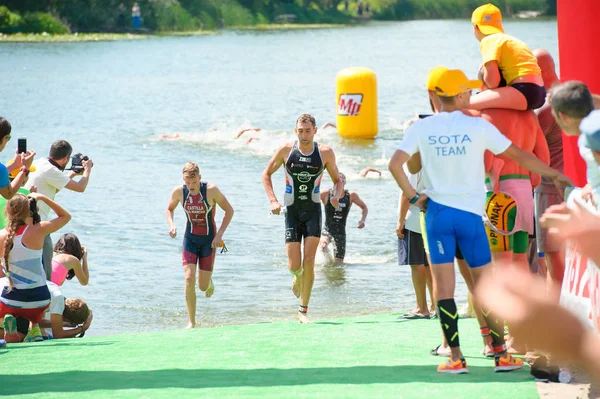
(411, 250)
(542, 202)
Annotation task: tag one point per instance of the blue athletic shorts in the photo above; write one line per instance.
(447, 227)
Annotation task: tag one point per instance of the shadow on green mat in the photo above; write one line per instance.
(211, 378)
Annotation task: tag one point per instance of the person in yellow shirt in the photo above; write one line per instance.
(510, 70)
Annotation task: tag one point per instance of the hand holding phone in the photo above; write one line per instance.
(22, 145)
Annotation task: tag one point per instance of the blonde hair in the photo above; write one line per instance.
(191, 169)
(18, 208)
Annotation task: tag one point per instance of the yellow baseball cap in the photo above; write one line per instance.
(15, 172)
(452, 82)
(488, 19)
(433, 76)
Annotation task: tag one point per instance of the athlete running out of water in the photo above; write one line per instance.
(304, 161)
(452, 147)
(336, 217)
(201, 237)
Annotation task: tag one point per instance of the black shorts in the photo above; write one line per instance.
(533, 93)
(339, 239)
(415, 249)
(302, 223)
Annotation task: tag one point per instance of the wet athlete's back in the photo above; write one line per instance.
(303, 174)
(199, 213)
(335, 218)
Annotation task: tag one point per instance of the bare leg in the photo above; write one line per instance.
(419, 280)
(556, 271)
(429, 283)
(295, 265)
(190, 293)
(205, 283)
(308, 277)
(502, 97)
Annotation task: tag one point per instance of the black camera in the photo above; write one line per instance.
(77, 162)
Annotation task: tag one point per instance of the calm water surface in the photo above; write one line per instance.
(112, 100)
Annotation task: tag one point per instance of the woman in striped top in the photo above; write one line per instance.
(21, 245)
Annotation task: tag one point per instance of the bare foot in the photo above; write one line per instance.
(303, 318)
(296, 286)
(190, 325)
(210, 290)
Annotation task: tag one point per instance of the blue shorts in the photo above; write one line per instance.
(447, 227)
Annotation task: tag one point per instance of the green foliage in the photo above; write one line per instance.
(39, 22)
(187, 15)
(438, 9)
(10, 22)
(174, 17)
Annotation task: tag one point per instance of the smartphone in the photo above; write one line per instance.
(22, 145)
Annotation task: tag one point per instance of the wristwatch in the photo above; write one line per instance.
(415, 198)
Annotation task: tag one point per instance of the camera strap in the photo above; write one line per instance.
(62, 169)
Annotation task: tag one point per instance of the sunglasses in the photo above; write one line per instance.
(8, 137)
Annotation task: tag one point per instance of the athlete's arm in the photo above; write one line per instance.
(365, 171)
(256, 129)
(398, 160)
(355, 199)
(176, 197)
(324, 197)
(217, 196)
(402, 211)
(414, 163)
(532, 163)
(273, 166)
(331, 166)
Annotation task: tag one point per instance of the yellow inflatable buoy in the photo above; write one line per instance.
(356, 94)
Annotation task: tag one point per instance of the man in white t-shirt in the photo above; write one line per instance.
(49, 178)
(452, 147)
(409, 235)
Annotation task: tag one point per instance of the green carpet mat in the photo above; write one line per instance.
(374, 356)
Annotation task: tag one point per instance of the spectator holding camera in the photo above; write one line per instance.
(70, 260)
(20, 166)
(49, 178)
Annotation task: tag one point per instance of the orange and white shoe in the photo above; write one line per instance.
(457, 367)
(506, 362)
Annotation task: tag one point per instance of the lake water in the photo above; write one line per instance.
(111, 100)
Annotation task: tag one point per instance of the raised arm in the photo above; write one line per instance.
(355, 199)
(221, 200)
(176, 198)
(242, 131)
(365, 171)
(80, 185)
(62, 216)
(273, 166)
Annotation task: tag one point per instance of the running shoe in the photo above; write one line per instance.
(457, 367)
(506, 362)
(10, 329)
(34, 335)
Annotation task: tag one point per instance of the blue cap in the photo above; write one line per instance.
(590, 130)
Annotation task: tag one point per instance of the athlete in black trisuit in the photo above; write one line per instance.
(335, 219)
(304, 162)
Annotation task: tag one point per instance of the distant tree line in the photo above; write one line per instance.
(59, 16)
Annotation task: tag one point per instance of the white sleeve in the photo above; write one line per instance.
(56, 178)
(410, 143)
(495, 141)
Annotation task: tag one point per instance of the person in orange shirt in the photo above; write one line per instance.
(523, 129)
(509, 68)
